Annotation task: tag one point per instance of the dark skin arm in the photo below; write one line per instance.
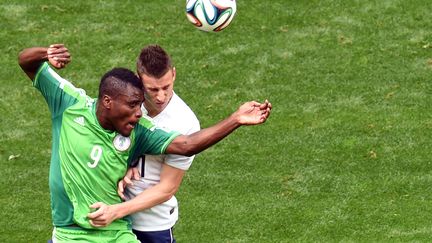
(31, 59)
(250, 113)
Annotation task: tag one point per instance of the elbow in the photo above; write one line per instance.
(168, 195)
(24, 61)
(189, 152)
(189, 149)
(170, 192)
(20, 58)
(183, 146)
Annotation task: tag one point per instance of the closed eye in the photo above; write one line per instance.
(134, 104)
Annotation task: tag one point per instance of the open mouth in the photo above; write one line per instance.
(131, 125)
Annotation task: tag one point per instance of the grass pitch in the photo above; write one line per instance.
(344, 157)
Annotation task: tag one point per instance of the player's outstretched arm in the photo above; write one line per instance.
(31, 59)
(250, 113)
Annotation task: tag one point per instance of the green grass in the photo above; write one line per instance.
(345, 156)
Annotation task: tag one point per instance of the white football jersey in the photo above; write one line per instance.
(179, 117)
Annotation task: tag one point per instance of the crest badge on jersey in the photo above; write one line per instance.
(121, 143)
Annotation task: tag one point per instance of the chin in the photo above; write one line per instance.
(125, 134)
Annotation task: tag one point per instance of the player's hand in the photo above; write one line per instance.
(103, 216)
(131, 174)
(253, 113)
(58, 55)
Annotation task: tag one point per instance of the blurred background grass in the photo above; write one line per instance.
(345, 155)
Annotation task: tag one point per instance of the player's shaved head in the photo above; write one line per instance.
(153, 61)
(116, 80)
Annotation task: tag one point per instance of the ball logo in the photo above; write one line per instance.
(121, 143)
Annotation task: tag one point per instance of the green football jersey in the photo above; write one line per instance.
(87, 161)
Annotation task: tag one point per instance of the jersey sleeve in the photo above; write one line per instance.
(150, 139)
(58, 92)
(179, 161)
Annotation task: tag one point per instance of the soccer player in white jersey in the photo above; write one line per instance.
(160, 176)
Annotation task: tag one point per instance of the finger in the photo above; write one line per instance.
(95, 215)
(61, 59)
(267, 112)
(122, 196)
(96, 205)
(128, 181)
(58, 54)
(56, 64)
(96, 224)
(92, 224)
(98, 211)
(265, 116)
(58, 51)
(56, 45)
(264, 105)
(120, 190)
(121, 186)
(54, 50)
(135, 174)
(129, 172)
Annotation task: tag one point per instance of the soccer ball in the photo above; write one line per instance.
(210, 15)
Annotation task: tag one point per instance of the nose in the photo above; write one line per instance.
(160, 97)
(138, 113)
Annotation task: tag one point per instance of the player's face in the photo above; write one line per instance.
(126, 110)
(158, 91)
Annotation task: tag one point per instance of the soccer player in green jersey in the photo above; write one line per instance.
(94, 140)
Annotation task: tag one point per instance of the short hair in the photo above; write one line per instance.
(153, 61)
(116, 80)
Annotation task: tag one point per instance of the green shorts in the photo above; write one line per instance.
(63, 235)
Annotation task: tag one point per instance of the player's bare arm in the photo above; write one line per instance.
(250, 113)
(170, 180)
(31, 59)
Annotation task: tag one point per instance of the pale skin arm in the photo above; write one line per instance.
(170, 180)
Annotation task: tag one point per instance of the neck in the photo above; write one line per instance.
(101, 117)
(151, 112)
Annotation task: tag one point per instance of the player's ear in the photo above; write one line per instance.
(174, 73)
(107, 101)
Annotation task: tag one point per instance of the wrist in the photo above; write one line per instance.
(235, 119)
(119, 211)
(42, 54)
